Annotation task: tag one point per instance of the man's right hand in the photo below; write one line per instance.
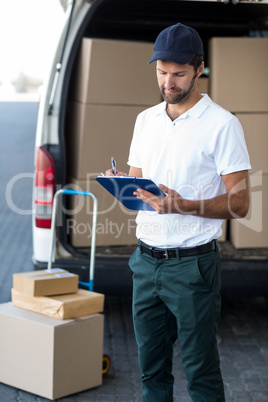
(110, 172)
(133, 172)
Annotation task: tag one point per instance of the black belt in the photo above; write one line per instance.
(167, 253)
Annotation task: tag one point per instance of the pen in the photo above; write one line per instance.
(113, 165)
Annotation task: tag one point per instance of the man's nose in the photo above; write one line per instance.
(169, 82)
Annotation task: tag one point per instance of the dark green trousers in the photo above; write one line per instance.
(177, 298)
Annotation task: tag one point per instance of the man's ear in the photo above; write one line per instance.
(200, 69)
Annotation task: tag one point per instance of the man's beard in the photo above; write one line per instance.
(179, 96)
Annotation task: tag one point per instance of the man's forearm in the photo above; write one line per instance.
(225, 206)
(230, 205)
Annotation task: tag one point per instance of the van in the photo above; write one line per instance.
(99, 81)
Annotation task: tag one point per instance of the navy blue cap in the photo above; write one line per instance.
(178, 44)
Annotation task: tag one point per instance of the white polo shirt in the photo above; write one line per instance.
(188, 155)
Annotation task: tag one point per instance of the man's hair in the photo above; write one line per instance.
(196, 61)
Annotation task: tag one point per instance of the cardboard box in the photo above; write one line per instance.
(252, 231)
(115, 72)
(115, 223)
(255, 129)
(45, 283)
(62, 307)
(50, 357)
(95, 133)
(223, 237)
(238, 76)
(203, 85)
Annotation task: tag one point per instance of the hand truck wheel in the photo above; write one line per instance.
(106, 364)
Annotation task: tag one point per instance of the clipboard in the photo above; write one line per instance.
(122, 188)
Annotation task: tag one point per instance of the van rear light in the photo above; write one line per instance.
(44, 188)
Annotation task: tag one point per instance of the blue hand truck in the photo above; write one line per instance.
(106, 363)
(89, 285)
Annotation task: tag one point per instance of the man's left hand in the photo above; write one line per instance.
(171, 203)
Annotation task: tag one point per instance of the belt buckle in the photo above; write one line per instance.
(166, 254)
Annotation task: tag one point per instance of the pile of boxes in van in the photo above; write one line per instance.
(51, 336)
(112, 83)
(238, 82)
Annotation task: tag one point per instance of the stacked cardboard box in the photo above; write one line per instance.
(238, 83)
(49, 357)
(112, 84)
(63, 307)
(115, 224)
(114, 72)
(238, 74)
(203, 85)
(45, 283)
(51, 346)
(54, 293)
(224, 232)
(252, 231)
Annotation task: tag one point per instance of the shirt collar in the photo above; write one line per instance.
(161, 109)
(196, 111)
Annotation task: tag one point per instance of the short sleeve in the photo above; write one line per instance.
(231, 153)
